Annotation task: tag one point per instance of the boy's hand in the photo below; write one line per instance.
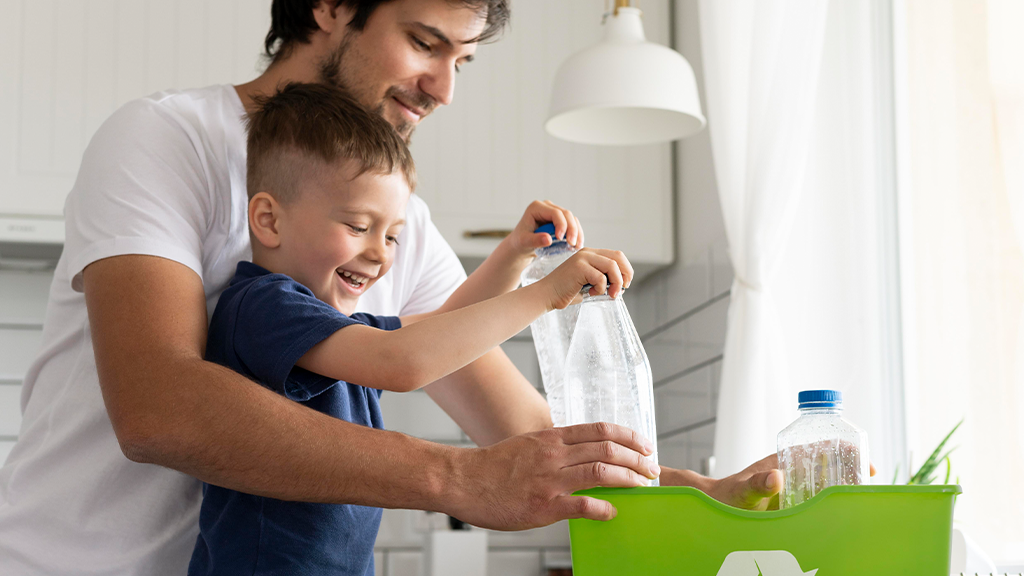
(523, 241)
(605, 270)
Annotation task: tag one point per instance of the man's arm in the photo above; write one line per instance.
(491, 400)
(169, 407)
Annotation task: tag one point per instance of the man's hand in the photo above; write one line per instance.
(754, 488)
(528, 480)
(523, 240)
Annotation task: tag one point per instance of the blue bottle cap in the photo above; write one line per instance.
(549, 229)
(820, 399)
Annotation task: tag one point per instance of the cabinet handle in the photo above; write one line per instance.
(497, 233)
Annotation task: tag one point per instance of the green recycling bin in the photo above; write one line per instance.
(842, 531)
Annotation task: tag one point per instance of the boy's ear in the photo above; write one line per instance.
(264, 212)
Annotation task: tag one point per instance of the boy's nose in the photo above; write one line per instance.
(376, 251)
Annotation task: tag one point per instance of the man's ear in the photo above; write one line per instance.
(328, 16)
(264, 212)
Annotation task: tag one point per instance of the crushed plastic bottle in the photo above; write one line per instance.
(607, 373)
(552, 331)
(820, 449)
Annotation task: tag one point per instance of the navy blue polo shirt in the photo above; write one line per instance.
(262, 325)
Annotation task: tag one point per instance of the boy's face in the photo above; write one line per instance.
(338, 236)
(403, 63)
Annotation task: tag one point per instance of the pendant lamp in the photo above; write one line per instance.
(624, 90)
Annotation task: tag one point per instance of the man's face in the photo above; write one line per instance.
(403, 63)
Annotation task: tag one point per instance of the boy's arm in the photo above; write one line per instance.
(500, 272)
(416, 355)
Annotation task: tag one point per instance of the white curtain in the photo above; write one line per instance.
(1006, 72)
(761, 67)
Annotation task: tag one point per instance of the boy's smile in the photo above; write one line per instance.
(338, 235)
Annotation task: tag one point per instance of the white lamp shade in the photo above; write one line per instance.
(625, 90)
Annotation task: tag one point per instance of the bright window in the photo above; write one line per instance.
(961, 129)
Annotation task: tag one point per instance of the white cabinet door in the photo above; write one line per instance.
(485, 157)
(68, 64)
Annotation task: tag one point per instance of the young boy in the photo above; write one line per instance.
(328, 184)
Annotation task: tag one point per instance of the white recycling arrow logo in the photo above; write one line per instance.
(762, 563)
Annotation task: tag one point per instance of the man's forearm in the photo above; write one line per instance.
(491, 400)
(228, 431)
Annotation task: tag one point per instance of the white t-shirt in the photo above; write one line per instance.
(164, 176)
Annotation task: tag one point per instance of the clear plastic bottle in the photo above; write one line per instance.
(820, 449)
(607, 373)
(552, 331)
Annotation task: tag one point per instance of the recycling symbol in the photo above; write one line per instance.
(762, 563)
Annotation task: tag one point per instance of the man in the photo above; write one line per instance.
(155, 224)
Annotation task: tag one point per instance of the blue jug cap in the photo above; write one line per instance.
(820, 399)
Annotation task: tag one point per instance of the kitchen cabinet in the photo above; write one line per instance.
(70, 63)
(482, 159)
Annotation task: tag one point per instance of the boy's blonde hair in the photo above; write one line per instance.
(306, 126)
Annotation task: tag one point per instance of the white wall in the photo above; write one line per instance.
(22, 308)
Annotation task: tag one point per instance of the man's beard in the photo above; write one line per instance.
(331, 73)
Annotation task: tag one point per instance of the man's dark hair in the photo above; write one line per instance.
(306, 126)
(292, 21)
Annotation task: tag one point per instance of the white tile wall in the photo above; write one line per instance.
(23, 296)
(404, 563)
(22, 309)
(416, 414)
(514, 563)
(10, 410)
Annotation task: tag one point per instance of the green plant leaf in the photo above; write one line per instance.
(924, 474)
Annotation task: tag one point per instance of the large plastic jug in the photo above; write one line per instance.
(552, 331)
(607, 373)
(820, 449)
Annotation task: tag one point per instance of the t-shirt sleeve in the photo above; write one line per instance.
(278, 321)
(142, 189)
(380, 322)
(438, 272)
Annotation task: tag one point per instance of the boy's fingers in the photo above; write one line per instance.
(572, 227)
(556, 217)
(622, 264)
(609, 266)
(595, 277)
(579, 238)
(542, 240)
(614, 276)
